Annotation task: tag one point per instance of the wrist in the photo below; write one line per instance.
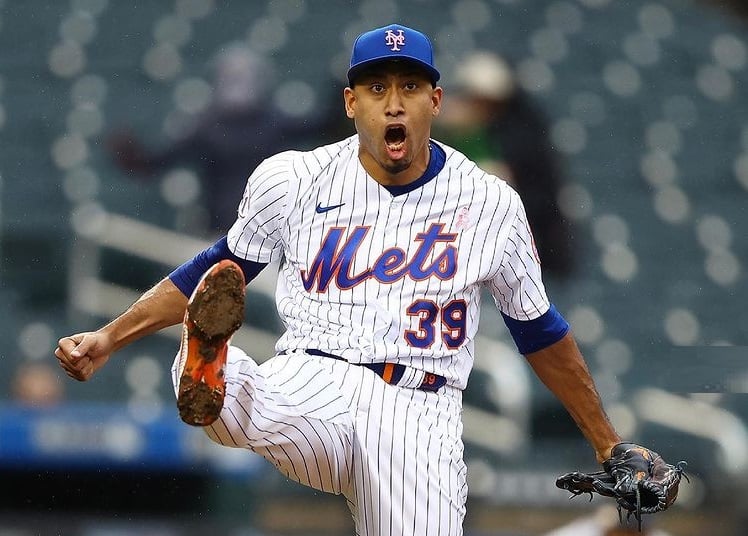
(605, 451)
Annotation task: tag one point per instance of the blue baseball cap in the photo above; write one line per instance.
(393, 42)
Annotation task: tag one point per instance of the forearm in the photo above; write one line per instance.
(562, 369)
(161, 306)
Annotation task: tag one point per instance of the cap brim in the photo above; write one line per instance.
(357, 69)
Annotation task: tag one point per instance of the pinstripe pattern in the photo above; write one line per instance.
(329, 425)
(414, 479)
(372, 277)
(367, 322)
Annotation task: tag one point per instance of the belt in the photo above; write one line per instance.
(391, 373)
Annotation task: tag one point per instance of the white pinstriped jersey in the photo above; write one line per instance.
(372, 276)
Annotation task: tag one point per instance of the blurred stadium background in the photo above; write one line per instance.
(647, 106)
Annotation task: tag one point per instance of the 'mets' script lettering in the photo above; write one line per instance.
(334, 261)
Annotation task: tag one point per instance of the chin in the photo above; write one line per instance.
(397, 167)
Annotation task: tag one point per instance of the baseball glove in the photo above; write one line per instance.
(638, 479)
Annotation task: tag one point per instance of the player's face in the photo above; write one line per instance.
(393, 106)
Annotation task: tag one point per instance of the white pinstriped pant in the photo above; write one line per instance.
(394, 453)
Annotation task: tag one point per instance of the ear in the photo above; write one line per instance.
(436, 100)
(349, 97)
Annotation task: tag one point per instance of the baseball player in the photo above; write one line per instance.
(385, 242)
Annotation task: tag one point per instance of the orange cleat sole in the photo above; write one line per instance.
(214, 312)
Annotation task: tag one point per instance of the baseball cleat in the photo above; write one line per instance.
(214, 312)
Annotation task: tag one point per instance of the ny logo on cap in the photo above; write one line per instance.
(394, 40)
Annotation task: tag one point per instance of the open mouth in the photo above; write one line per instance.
(394, 138)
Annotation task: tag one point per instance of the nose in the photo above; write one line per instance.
(394, 104)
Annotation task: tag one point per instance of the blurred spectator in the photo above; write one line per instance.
(37, 384)
(226, 142)
(496, 124)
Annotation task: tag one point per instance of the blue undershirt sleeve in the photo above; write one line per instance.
(187, 276)
(533, 335)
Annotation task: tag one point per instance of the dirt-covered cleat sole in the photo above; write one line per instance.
(214, 312)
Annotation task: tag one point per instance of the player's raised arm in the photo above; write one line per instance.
(544, 336)
(82, 354)
(638, 478)
(563, 370)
